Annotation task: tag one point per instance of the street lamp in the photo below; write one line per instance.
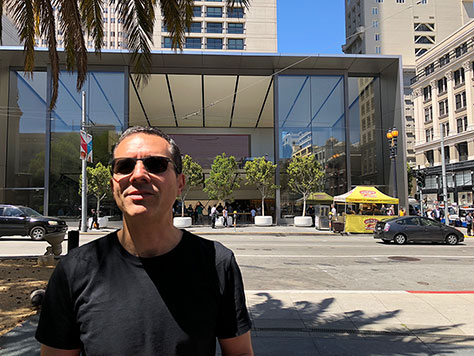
(392, 135)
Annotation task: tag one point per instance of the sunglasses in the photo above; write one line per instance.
(153, 164)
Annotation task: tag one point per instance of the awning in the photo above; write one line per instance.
(362, 194)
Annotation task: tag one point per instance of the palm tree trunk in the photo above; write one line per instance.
(304, 205)
(263, 206)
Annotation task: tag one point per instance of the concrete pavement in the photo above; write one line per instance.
(318, 322)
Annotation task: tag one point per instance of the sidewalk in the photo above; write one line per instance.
(337, 323)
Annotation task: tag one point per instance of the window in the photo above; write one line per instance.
(428, 114)
(112, 20)
(192, 43)
(460, 100)
(429, 157)
(459, 51)
(197, 12)
(420, 51)
(378, 50)
(235, 28)
(375, 11)
(447, 155)
(195, 27)
(427, 93)
(214, 0)
(424, 27)
(459, 77)
(214, 43)
(444, 60)
(442, 85)
(425, 39)
(424, 2)
(235, 43)
(462, 151)
(400, 1)
(214, 12)
(375, 24)
(235, 13)
(167, 42)
(461, 124)
(429, 69)
(377, 36)
(429, 135)
(378, 1)
(443, 107)
(214, 27)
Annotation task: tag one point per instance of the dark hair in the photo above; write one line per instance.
(174, 149)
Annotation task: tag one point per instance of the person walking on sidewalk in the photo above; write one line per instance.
(469, 223)
(213, 216)
(225, 215)
(149, 288)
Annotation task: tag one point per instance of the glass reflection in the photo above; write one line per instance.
(365, 133)
(311, 121)
(26, 139)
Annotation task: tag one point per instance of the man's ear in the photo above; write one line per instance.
(181, 182)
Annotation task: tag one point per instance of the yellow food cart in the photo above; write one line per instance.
(364, 206)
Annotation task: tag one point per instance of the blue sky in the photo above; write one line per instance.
(310, 26)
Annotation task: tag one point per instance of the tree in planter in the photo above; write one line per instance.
(261, 173)
(222, 179)
(193, 173)
(98, 183)
(305, 175)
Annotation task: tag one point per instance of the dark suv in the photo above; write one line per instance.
(21, 220)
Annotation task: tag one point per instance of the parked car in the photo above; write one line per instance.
(21, 220)
(416, 229)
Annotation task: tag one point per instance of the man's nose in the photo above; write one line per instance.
(140, 172)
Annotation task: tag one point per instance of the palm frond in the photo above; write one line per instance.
(92, 17)
(22, 13)
(47, 29)
(245, 3)
(74, 43)
(177, 17)
(138, 18)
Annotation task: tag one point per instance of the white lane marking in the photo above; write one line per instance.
(336, 291)
(352, 256)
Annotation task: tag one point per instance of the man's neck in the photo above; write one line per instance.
(148, 238)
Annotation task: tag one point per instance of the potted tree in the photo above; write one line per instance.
(261, 173)
(223, 179)
(304, 176)
(193, 173)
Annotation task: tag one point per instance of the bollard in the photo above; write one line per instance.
(72, 240)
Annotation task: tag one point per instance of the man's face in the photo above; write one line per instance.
(142, 193)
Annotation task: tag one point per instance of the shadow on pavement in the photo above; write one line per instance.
(306, 328)
(21, 341)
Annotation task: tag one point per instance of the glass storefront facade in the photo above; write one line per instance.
(334, 114)
(29, 135)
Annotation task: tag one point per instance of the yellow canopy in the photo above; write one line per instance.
(362, 194)
(317, 198)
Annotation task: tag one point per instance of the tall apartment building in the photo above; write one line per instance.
(444, 98)
(403, 27)
(215, 27)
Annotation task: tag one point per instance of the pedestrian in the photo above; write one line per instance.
(95, 220)
(402, 212)
(198, 212)
(213, 216)
(469, 223)
(437, 213)
(190, 212)
(225, 215)
(253, 212)
(148, 288)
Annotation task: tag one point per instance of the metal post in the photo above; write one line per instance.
(443, 168)
(84, 171)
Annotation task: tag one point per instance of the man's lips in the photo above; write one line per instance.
(138, 194)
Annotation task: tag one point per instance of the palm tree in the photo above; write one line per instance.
(79, 17)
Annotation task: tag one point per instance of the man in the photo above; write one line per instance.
(149, 288)
(95, 220)
(213, 216)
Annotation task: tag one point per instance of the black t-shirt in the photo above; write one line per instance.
(106, 301)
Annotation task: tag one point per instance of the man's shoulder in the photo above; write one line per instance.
(215, 248)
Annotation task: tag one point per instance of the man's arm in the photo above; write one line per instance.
(51, 351)
(237, 346)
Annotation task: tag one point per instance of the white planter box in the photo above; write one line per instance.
(303, 221)
(263, 221)
(182, 221)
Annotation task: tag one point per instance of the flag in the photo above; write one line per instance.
(86, 146)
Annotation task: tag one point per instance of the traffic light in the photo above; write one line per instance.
(420, 179)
